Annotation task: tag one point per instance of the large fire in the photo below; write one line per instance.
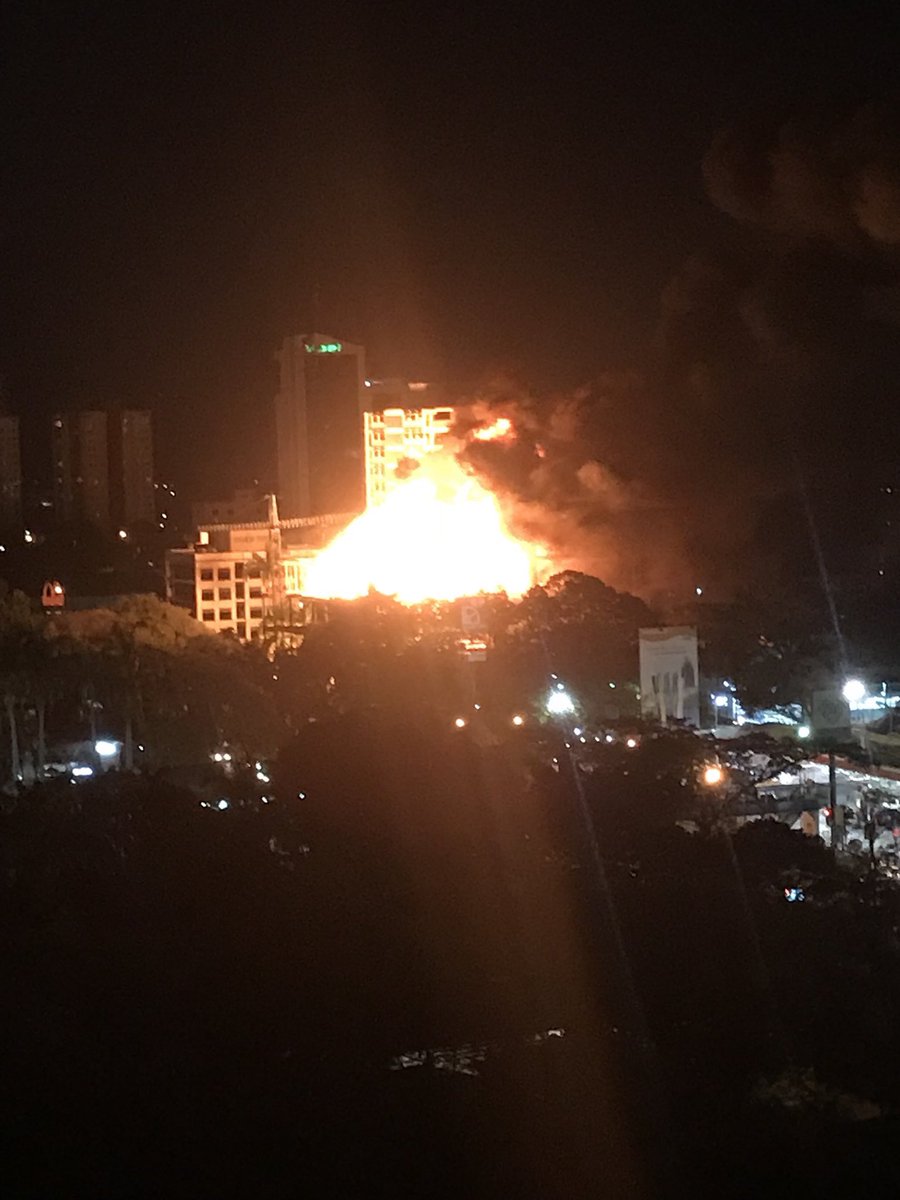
(438, 535)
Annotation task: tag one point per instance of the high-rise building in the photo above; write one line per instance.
(80, 450)
(103, 467)
(10, 472)
(319, 426)
(138, 504)
(397, 437)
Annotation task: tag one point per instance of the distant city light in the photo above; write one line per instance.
(698, 591)
(518, 719)
(222, 805)
(577, 731)
(611, 684)
(802, 731)
(854, 691)
(2, 549)
(721, 701)
(460, 722)
(29, 537)
(82, 772)
(106, 748)
(322, 348)
(631, 743)
(609, 739)
(123, 534)
(713, 775)
(559, 702)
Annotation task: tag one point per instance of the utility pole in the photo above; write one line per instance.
(837, 813)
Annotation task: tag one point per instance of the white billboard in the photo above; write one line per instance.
(670, 674)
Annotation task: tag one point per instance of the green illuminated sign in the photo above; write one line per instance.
(324, 348)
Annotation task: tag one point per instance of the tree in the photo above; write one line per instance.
(582, 630)
(19, 637)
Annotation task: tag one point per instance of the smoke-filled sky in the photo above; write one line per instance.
(682, 221)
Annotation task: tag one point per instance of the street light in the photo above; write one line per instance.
(713, 775)
(854, 691)
(106, 748)
(559, 702)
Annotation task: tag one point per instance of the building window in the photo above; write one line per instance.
(208, 614)
(207, 594)
(224, 593)
(239, 570)
(240, 612)
(206, 574)
(224, 573)
(224, 614)
(255, 593)
(255, 614)
(239, 590)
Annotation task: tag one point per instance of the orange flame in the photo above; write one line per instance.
(438, 535)
(501, 428)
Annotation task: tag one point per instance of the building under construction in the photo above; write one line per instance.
(248, 578)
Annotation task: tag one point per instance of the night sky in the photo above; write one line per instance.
(696, 213)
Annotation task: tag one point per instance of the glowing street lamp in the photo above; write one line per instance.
(460, 722)
(560, 703)
(713, 775)
(518, 719)
(854, 691)
(106, 748)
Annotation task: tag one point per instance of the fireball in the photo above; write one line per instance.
(438, 535)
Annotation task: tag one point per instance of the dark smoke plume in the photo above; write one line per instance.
(773, 379)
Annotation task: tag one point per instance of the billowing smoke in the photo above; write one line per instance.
(838, 182)
(557, 491)
(772, 382)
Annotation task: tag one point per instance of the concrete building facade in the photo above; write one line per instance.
(103, 467)
(10, 472)
(318, 415)
(138, 496)
(235, 576)
(398, 436)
